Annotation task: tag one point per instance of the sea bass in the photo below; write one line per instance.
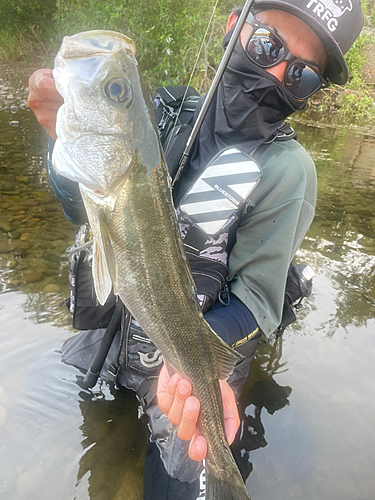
(108, 143)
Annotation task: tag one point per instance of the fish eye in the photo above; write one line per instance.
(118, 90)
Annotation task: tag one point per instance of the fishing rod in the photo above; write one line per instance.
(206, 104)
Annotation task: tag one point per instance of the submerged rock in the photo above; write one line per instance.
(22, 178)
(14, 283)
(14, 246)
(5, 226)
(51, 257)
(14, 123)
(32, 276)
(52, 288)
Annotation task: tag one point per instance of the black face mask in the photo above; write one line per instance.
(247, 109)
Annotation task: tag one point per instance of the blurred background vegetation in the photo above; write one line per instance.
(168, 34)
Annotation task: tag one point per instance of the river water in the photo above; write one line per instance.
(308, 405)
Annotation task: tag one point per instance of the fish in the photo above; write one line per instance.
(108, 143)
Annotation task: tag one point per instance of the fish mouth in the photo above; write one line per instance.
(84, 54)
(95, 43)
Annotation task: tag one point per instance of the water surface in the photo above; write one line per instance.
(309, 402)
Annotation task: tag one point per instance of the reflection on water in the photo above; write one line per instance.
(261, 393)
(341, 241)
(308, 405)
(57, 440)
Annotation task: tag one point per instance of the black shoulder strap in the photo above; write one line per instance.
(284, 133)
(173, 117)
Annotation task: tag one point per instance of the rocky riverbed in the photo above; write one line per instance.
(34, 233)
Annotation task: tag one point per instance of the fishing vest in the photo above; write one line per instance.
(207, 253)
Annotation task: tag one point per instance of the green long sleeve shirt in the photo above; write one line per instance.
(273, 227)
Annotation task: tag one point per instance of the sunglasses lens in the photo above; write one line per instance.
(264, 48)
(301, 80)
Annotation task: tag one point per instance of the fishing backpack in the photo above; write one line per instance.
(175, 113)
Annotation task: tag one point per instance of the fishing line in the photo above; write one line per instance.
(192, 73)
(208, 98)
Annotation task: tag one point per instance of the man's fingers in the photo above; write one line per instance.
(183, 391)
(231, 428)
(166, 398)
(198, 447)
(44, 99)
(190, 413)
(42, 86)
(47, 92)
(231, 417)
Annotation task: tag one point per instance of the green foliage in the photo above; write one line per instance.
(358, 106)
(12, 45)
(357, 99)
(168, 33)
(18, 14)
(72, 16)
(168, 36)
(355, 59)
(25, 28)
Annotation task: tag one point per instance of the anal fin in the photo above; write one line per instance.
(225, 356)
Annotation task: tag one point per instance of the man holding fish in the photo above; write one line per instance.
(287, 50)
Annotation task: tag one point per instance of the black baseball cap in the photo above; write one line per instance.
(336, 22)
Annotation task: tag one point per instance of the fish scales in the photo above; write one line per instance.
(137, 245)
(166, 290)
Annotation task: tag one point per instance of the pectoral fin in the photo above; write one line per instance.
(100, 274)
(108, 252)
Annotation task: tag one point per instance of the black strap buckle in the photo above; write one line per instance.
(224, 295)
(113, 372)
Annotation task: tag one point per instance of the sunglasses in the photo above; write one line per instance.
(266, 49)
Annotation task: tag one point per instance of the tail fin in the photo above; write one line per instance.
(225, 489)
(227, 484)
